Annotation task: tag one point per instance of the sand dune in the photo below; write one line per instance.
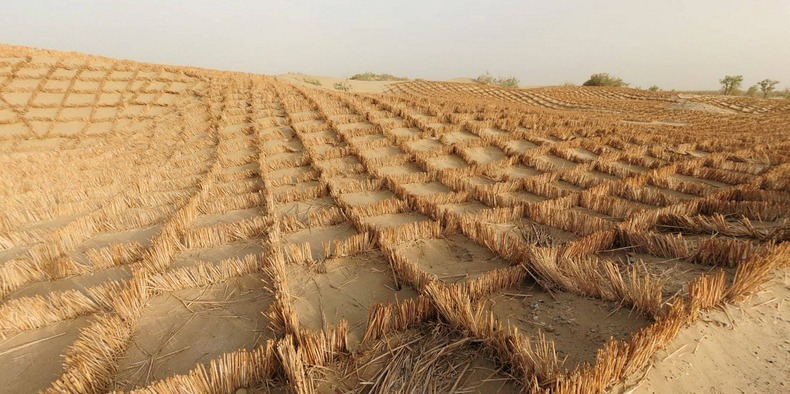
(168, 229)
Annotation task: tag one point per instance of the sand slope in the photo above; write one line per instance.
(742, 350)
(168, 229)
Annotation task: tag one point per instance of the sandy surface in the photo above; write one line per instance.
(329, 82)
(686, 104)
(738, 349)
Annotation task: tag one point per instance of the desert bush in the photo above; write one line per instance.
(488, 79)
(485, 79)
(312, 81)
(342, 85)
(752, 91)
(604, 79)
(369, 76)
(654, 88)
(511, 82)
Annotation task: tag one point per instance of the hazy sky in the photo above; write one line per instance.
(675, 44)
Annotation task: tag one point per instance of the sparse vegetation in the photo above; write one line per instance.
(752, 91)
(312, 81)
(342, 85)
(369, 76)
(730, 84)
(485, 79)
(654, 88)
(506, 82)
(604, 79)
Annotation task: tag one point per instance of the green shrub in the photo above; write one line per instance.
(604, 79)
(312, 81)
(511, 82)
(343, 85)
(487, 79)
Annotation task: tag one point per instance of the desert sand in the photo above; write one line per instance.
(327, 82)
(173, 229)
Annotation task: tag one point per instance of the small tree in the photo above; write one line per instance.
(752, 91)
(730, 84)
(767, 86)
(604, 79)
(654, 88)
